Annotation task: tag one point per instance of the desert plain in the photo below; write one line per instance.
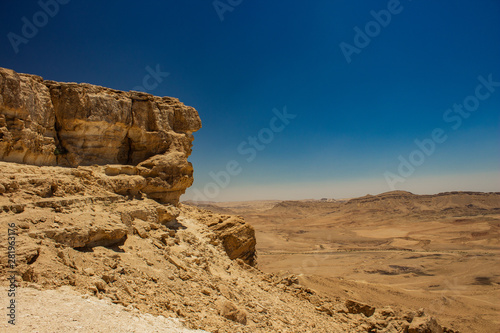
(438, 252)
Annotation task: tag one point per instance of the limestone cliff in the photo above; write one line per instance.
(143, 140)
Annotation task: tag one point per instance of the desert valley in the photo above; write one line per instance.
(437, 252)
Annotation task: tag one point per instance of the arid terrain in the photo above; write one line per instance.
(437, 252)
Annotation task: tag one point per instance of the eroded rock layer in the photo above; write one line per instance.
(145, 140)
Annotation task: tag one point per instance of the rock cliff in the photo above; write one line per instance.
(143, 140)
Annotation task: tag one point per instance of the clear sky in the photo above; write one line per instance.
(326, 98)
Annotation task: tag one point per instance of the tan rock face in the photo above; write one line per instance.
(237, 236)
(356, 307)
(68, 124)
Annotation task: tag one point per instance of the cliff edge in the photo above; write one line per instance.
(143, 140)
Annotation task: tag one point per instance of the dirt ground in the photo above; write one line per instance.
(63, 310)
(438, 252)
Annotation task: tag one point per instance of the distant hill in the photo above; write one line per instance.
(394, 202)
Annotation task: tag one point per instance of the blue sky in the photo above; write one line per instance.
(354, 120)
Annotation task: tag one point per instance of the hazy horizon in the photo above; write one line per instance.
(485, 182)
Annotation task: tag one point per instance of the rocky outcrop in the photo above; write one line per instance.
(425, 325)
(109, 142)
(357, 307)
(143, 140)
(237, 236)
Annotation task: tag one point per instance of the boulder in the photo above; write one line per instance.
(238, 238)
(357, 307)
(229, 310)
(424, 324)
(88, 236)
